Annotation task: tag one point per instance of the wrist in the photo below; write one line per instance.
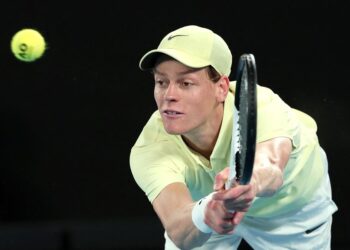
(198, 214)
(255, 183)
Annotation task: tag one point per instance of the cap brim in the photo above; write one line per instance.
(148, 61)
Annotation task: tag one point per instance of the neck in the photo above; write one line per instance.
(203, 140)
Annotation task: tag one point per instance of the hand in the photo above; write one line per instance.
(237, 198)
(219, 215)
(220, 219)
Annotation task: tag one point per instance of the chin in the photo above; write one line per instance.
(174, 131)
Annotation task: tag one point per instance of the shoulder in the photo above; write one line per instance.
(155, 159)
(154, 144)
(151, 132)
(264, 94)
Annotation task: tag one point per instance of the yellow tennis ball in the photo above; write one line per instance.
(28, 45)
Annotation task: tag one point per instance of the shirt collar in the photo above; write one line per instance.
(221, 152)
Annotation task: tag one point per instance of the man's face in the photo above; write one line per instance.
(188, 101)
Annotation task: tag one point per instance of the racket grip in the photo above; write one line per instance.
(198, 214)
(229, 183)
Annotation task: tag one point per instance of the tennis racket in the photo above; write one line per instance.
(243, 140)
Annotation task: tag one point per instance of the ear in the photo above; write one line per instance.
(223, 86)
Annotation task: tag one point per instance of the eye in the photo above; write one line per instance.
(186, 84)
(160, 83)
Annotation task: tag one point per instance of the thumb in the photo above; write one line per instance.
(220, 180)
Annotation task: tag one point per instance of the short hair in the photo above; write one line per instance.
(213, 75)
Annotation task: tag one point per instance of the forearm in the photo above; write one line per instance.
(182, 231)
(174, 207)
(267, 180)
(270, 160)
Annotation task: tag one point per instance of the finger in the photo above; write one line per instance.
(218, 218)
(241, 203)
(225, 227)
(237, 218)
(220, 180)
(232, 193)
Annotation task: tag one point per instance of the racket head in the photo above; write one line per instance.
(246, 105)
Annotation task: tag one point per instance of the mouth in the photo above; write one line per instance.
(171, 113)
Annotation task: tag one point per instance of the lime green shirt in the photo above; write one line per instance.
(158, 159)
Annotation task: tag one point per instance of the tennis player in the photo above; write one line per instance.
(181, 156)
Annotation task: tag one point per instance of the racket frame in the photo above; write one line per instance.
(244, 127)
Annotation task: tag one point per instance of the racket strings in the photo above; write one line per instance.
(244, 128)
(238, 150)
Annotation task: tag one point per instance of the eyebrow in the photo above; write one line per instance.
(188, 71)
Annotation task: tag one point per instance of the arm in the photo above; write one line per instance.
(174, 208)
(271, 157)
(174, 204)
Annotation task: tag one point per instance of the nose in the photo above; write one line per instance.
(171, 93)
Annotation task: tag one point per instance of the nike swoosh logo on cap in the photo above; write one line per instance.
(172, 36)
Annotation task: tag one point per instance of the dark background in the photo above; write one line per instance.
(69, 119)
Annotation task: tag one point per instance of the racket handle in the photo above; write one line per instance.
(230, 183)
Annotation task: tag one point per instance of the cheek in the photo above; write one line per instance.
(204, 99)
(157, 98)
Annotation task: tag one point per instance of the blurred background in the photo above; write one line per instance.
(69, 119)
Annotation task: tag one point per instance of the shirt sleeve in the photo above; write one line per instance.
(275, 117)
(155, 166)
